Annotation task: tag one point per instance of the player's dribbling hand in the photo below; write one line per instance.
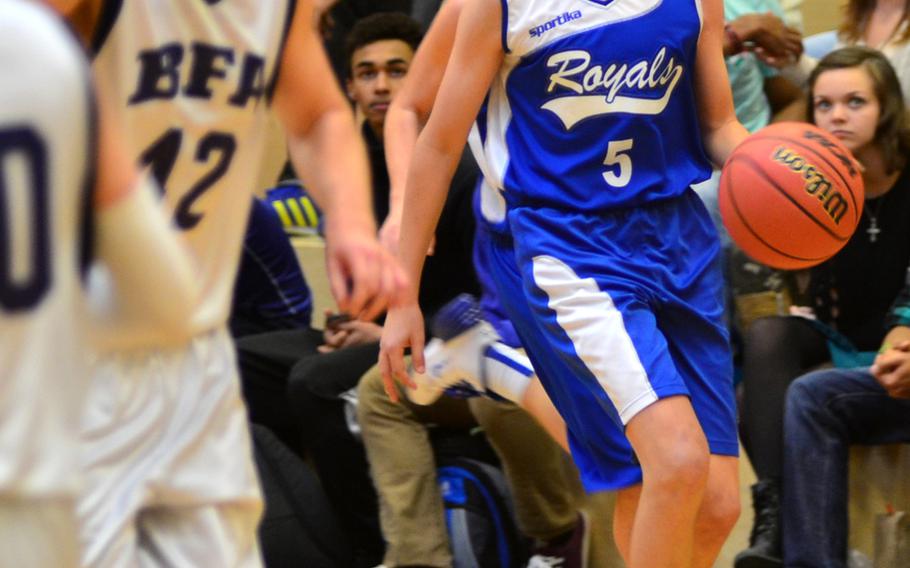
(364, 278)
(403, 328)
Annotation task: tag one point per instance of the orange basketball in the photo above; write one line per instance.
(791, 195)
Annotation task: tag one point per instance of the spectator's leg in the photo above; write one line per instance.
(315, 388)
(776, 350)
(404, 472)
(826, 412)
(545, 485)
(545, 491)
(264, 361)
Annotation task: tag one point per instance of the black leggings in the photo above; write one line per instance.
(776, 351)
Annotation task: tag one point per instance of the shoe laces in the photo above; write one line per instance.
(540, 561)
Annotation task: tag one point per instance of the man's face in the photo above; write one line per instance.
(378, 71)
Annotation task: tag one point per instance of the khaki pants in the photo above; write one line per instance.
(545, 485)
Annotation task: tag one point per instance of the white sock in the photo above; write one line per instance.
(506, 371)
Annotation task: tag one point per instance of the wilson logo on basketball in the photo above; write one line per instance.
(816, 183)
(843, 158)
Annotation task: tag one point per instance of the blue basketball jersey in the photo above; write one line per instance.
(585, 116)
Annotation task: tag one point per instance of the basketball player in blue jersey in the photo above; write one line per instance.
(487, 349)
(67, 193)
(167, 453)
(600, 115)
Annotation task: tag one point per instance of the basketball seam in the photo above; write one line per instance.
(755, 234)
(830, 164)
(757, 168)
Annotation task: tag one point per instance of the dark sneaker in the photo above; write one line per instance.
(572, 552)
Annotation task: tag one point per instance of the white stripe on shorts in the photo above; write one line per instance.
(594, 325)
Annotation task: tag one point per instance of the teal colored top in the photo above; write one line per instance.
(900, 311)
(747, 73)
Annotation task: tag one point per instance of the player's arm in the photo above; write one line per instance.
(328, 153)
(475, 60)
(721, 131)
(155, 280)
(410, 109)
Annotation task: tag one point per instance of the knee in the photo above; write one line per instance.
(682, 469)
(720, 510)
(766, 336)
(498, 417)
(371, 395)
(802, 397)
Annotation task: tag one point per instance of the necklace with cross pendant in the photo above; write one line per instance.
(873, 229)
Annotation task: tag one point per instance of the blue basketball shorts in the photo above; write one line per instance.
(617, 311)
(490, 305)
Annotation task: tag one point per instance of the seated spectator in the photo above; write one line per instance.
(827, 412)
(854, 93)
(271, 292)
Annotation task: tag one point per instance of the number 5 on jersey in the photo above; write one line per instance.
(617, 155)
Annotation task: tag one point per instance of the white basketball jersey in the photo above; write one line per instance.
(192, 81)
(47, 153)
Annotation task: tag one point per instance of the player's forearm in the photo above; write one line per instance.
(720, 141)
(428, 183)
(155, 280)
(402, 126)
(331, 160)
(410, 109)
(721, 131)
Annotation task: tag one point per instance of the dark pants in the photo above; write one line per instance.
(295, 391)
(315, 387)
(826, 412)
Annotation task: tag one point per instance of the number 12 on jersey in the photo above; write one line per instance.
(161, 156)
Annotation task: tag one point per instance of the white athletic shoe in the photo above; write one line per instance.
(455, 356)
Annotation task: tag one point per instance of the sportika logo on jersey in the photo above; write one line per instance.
(597, 87)
(555, 22)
